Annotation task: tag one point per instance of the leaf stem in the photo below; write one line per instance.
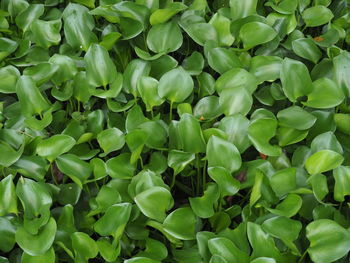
(198, 175)
(204, 176)
(173, 181)
(171, 111)
(52, 174)
(141, 162)
(302, 256)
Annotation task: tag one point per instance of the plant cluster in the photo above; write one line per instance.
(186, 131)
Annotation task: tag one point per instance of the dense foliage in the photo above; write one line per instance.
(164, 131)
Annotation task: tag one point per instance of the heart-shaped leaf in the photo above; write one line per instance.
(328, 240)
(164, 38)
(54, 146)
(154, 202)
(185, 230)
(175, 85)
(36, 245)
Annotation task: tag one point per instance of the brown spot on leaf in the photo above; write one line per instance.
(263, 156)
(318, 39)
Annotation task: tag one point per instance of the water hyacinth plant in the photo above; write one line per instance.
(148, 131)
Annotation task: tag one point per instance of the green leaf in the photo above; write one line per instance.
(326, 141)
(241, 10)
(296, 117)
(284, 181)
(66, 68)
(36, 245)
(8, 199)
(175, 85)
(7, 232)
(148, 90)
(228, 185)
(178, 160)
(109, 40)
(144, 181)
(31, 100)
(288, 136)
(289, 207)
(82, 89)
(317, 15)
(160, 16)
(306, 48)
(106, 197)
(194, 64)
(154, 202)
(141, 260)
(78, 26)
(136, 141)
(227, 249)
(263, 260)
(54, 146)
(223, 154)
(69, 194)
(120, 166)
(47, 257)
(342, 121)
(9, 155)
(236, 100)
(260, 132)
(114, 220)
(319, 186)
(341, 71)
(110, 140)
(203, 206)
(222, 25)
(284, 6)
(222, 59)
(342, 181)
(8, 78)
(328, 241)
(133, 73)
(17, 6)
(266, 68)
(207, 108)
(78, 170)
(190, 133)
(154, 249)
(164, 38)
(236, 128)
(100, 69)
(323, 161)
(326, 94)
(84, 246)
(177, 227)
(41, 73)
(256, 33)
(156, 134)
(262, 243)
(236, 78)
(282, 227)
(199, 31)
(295, 78)
(7, 46)
(106, 249)
(46, 33)
(35, 199)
